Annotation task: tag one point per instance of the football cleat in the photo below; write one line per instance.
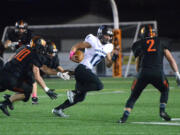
(34, 100)
(10, 105)
(70, 95)
(122, 120)
(3, 107)
(59, 113)
(165, 116)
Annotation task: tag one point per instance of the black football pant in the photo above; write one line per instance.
(86, 81)
(1, 63)
(145, 77)
(12, 83)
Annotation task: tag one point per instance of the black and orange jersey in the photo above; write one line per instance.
(151, 53)
(23, 39)
(52, 62)
(2, 49)
(23, 61)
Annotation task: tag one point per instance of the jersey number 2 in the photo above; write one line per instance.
(22, 54)
(150, 42)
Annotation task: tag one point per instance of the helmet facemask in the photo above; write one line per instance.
(21, 27)
(147, 31)
(51, 49)
(38, 44)
(105, 34)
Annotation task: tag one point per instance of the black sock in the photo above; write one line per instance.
(65, 105)
(125, 115)
(7, 102)
(162, 107)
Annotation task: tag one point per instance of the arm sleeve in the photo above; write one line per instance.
(56, 62)
(136, 48)
(166, 46)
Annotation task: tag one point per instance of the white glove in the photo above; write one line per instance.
(64, 75)
(13, 45)
(177, 78)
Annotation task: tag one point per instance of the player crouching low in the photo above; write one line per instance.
(16, 75)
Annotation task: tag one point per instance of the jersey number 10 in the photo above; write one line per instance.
(22, 54)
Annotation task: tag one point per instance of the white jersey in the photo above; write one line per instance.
(97, 52)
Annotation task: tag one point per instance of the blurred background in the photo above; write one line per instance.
(57, 12)
(167, 13)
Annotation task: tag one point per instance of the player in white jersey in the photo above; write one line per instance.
(96, 49)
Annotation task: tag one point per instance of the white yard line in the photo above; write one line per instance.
(159, 123)
(175, 119)
(94, 93)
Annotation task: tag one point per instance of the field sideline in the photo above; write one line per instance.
(97, 115)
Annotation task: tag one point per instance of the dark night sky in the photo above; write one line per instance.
(61, 11)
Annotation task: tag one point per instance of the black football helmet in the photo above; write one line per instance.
(147, 31)
(21, 25)
(104, 30)
(51, 48)
(38, 44)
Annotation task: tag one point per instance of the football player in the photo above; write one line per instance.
(2, 49)
(15, 74)
(96, 49)
(51, 61)
(18, 36)
(149, 52)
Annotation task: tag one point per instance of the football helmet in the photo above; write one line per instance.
(147, 31)
(21, 25)
(102, 31)
(51, 48)
(38, 44)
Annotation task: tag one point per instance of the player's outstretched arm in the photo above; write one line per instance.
(173, 64)
(49, 71)
(41, 82)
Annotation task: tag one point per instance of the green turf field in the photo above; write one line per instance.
(97, 115)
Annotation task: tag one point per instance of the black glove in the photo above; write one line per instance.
(114, 57)
(51, 94)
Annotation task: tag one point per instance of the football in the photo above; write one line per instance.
(79, 55)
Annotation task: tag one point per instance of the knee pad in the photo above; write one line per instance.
(27, 96)
(100, 86)
(27, 91)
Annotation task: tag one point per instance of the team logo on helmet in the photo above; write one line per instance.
(38, 44)
(147, 31)
(21, 25)
(51, 48)
(102, 31)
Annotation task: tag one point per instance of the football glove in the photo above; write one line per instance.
(13, 45)
(64, 75)
(177, 78)
(114, 57)
(70, 72)
(51, 94)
